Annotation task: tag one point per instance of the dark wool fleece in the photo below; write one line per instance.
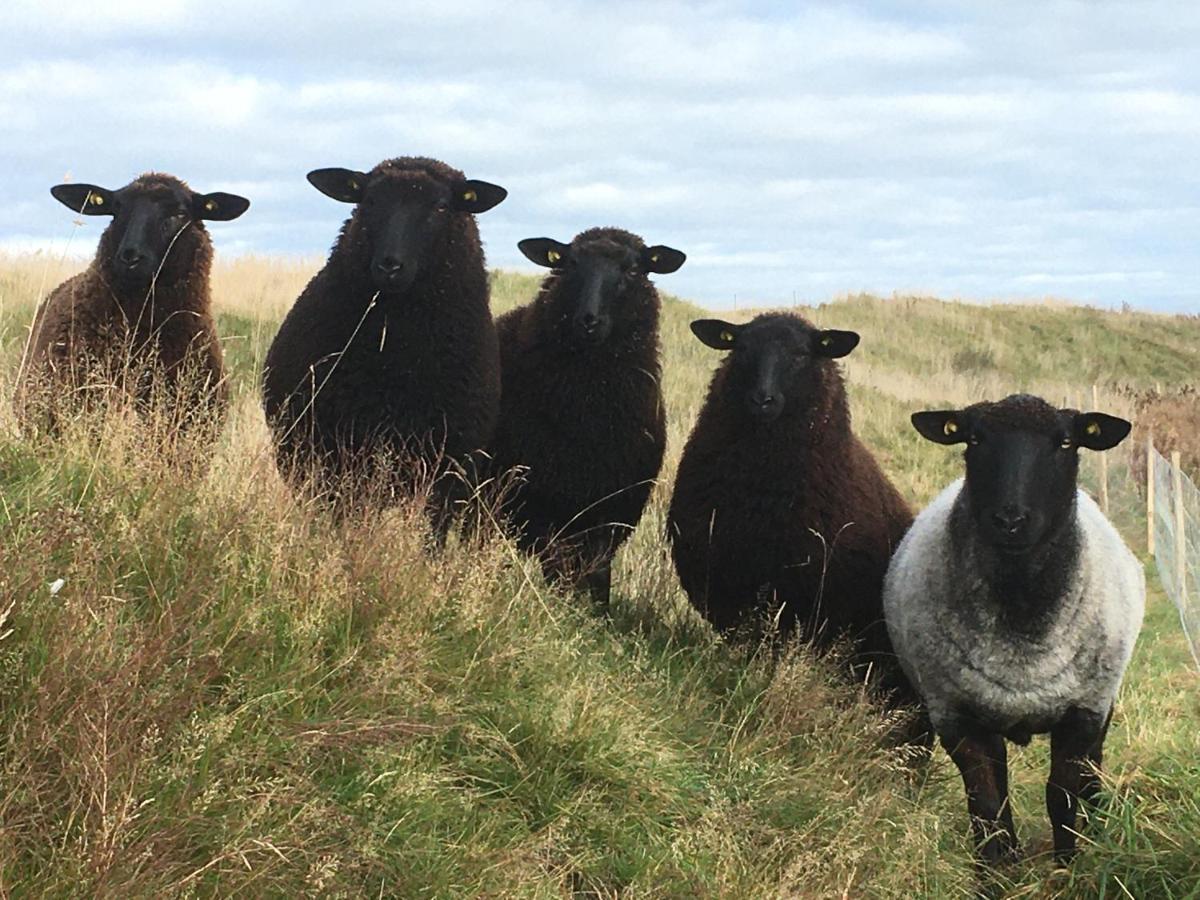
(90, 330)
(588, 423)
(796, 513)
(414, 376)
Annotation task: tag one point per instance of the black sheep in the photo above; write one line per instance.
(582, 410)
(139, 317)
(779, 510)
(385, 375)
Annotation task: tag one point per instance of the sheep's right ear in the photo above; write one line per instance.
(84, 198)
(942, 426)
(544, 251)
(715, 333)
(345, 185)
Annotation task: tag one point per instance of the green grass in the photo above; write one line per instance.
(231, 696)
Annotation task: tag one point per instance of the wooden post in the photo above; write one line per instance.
(1103, 457)
(1180, 536)
(1150, 512)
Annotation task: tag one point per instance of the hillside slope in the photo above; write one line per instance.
(229, 696)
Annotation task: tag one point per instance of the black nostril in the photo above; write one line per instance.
(390, 265)
(1009, 520)
(130, 256)
(762, 398)
(589, 322)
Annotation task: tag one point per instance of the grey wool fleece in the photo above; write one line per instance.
(972, 666)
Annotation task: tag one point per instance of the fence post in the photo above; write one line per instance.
(1103, 457)
(1150, 494)
(1180, 537)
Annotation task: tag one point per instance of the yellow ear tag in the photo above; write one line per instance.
(654, 257)
(1093, 428)
(470, 196)
(353, 185)
(951, 427)
(210, 205)
(553, 256)
(97, 200)
(826, 341)
(727, 337)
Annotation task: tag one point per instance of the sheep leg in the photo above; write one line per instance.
(598, 582)
(1076, 751)
(982, 759)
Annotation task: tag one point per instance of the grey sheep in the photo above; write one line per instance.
(1014, 605)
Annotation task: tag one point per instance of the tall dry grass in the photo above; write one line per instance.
(232, 695)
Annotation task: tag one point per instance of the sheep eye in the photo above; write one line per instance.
(974, 440)
(1066, 444)
(442, 207)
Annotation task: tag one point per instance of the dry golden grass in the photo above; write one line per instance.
(232, 696)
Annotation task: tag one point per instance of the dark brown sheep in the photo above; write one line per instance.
(385, 375)
(582, 410)
(779, 511)
(138, 318)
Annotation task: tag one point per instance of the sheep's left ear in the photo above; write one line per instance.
(942, 426)
(218, 207)
(476, 196)
(661, 260)
(834, 344)
(1098, 431)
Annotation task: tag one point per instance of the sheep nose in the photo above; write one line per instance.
(390, 265)
(589, 322)
(1010, 520)
(130, 256)
(762, 399)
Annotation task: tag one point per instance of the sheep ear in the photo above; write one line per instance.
(942, 426)
(834, 344)
(477, 196)
(218, 207)
(715, 333)
(1098, 431)
(345, 185)
(661, 260)
(544, 251)
(87, 199)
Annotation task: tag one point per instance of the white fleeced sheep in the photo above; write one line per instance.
(1013, 605)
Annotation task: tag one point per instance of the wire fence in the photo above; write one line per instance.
(1173, 508)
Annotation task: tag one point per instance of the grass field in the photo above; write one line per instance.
(230, 696)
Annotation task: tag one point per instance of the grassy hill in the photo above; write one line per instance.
(229, 696)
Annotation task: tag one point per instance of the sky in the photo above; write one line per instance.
(794, 151)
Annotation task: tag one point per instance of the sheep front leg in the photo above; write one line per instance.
(1076, 751)
(599, 585)
(982, 759)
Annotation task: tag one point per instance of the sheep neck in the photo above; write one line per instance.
(1026, 592)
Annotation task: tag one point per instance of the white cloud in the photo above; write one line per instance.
(973, 149)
